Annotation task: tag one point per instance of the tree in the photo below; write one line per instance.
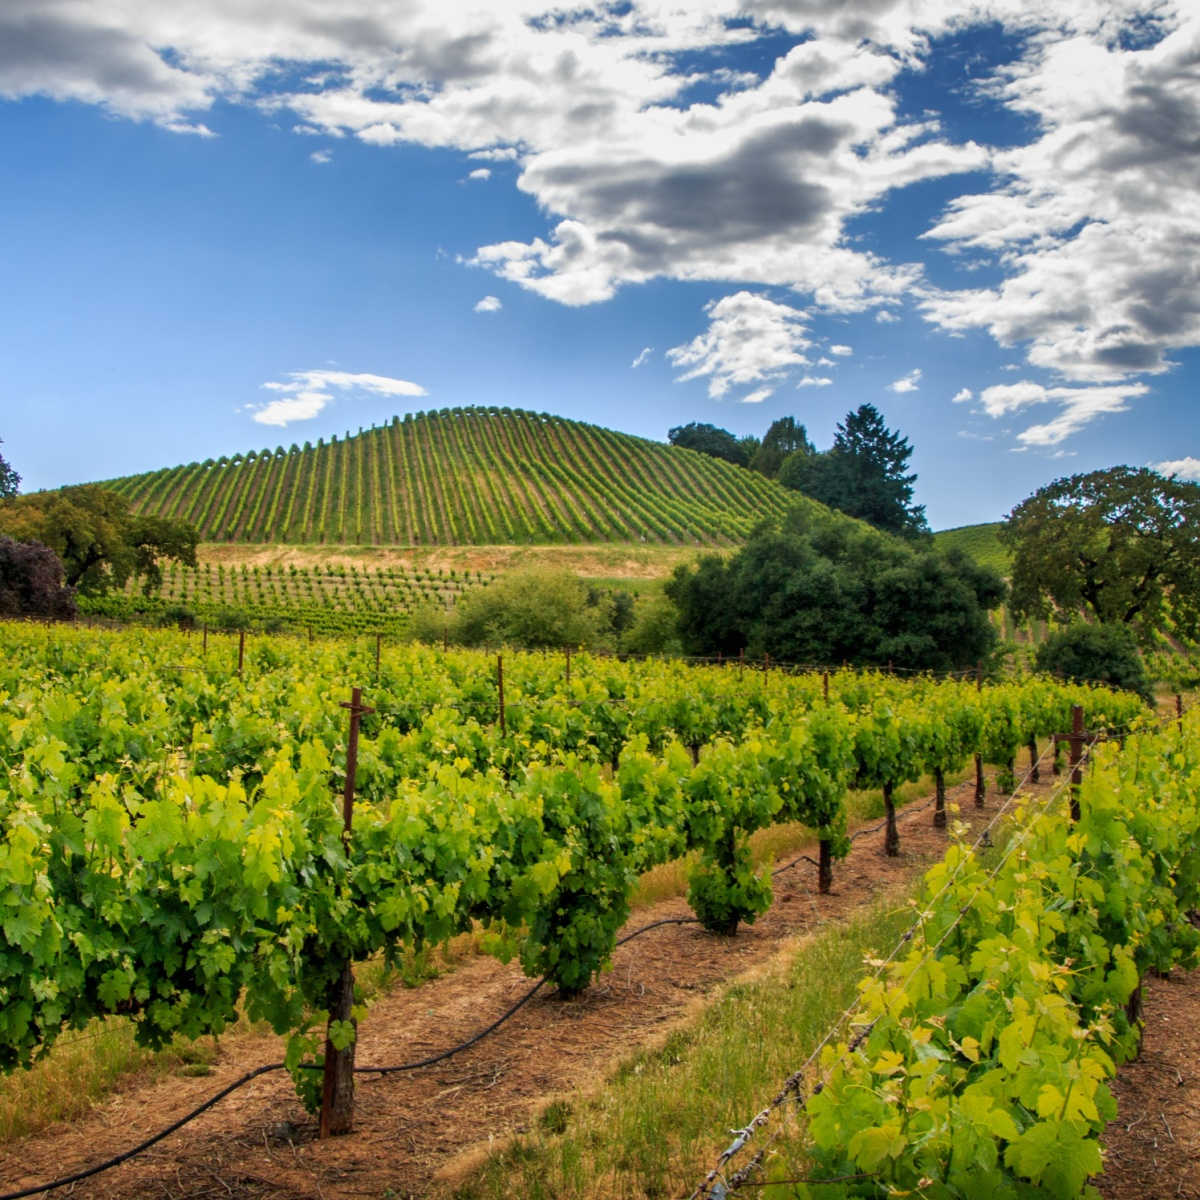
(785, 437)
(824, 589)
(31, 582)
(1121, 545)
(1086, 653)
(100, 542)
(9, 479)
(862, 474)
(710, 440)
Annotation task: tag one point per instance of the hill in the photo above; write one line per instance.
(981, 542)
(467, 476)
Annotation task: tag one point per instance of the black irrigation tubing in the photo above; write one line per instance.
(124, 1157)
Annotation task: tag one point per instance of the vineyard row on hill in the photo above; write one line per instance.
(464, 476)
(174, 839)
(326, 600)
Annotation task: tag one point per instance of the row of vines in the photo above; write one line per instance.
(978, 1058)
(464, 476)
(327, 600)
(174, 842)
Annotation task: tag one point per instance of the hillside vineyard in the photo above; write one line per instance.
(467, 476)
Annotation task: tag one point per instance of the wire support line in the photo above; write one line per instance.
(241, 1081)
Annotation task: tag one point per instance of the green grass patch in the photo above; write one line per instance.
(662, 1120)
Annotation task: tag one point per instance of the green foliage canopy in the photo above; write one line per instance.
(785, 437)
(100, 542)
(710, 440)
(862, 474)
(533, 609)
(1085, 653)
(1116, 543)
(9, 479)
(827, 590)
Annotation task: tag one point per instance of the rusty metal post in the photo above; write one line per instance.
(1076, 758)
(241, 651)
(500, 688)
(980, 789)
(337, 1084)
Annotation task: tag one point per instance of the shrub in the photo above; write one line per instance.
(1093, 653)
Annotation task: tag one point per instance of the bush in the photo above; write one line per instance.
(31, 582)
(534, 609)
(1086, 653)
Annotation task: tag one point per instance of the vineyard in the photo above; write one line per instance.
(482, 476)
(184, 840)
(334, 599)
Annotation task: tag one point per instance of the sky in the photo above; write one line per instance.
(229, 225)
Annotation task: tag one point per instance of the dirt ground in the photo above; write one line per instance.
(1152, 1149)
(415, 1128)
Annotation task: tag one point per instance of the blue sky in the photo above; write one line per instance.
(227, 226)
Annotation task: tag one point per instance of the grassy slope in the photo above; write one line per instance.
(981, 542)
(463, 477)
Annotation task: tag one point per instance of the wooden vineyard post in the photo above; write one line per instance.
(980, 790)
(500, 689)
(825, 685)
(939, 804)
(1179, 711)
(204, 647)
(337, 1084)
(891, 843)
(241, 651)
(1076, 758)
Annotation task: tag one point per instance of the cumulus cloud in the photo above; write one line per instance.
(1094, 223)
(489, 304)
(750, 339)
(642, 357)
(907, 383)
(304, 394)
(962, 396)
(1183, 468)
(320, 157)
(841, 350)
(1090, 228)
(813, 381)
(757, 397)
(480, 173)
(1078, 407)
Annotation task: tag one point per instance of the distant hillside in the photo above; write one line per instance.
(981, 542)
(467, 476)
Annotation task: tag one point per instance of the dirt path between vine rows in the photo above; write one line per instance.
(413, 1128)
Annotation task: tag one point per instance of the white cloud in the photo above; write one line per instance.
(750, 339)
(1078, 407)
(489, 304)
(480, 173)
(758, 396)
(962, 396)
(907, 383)
(320, 157)
(1092, 226)
(1184, 468)
(813, 381)
(841, 351)
(304, 394)
(642, 357)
